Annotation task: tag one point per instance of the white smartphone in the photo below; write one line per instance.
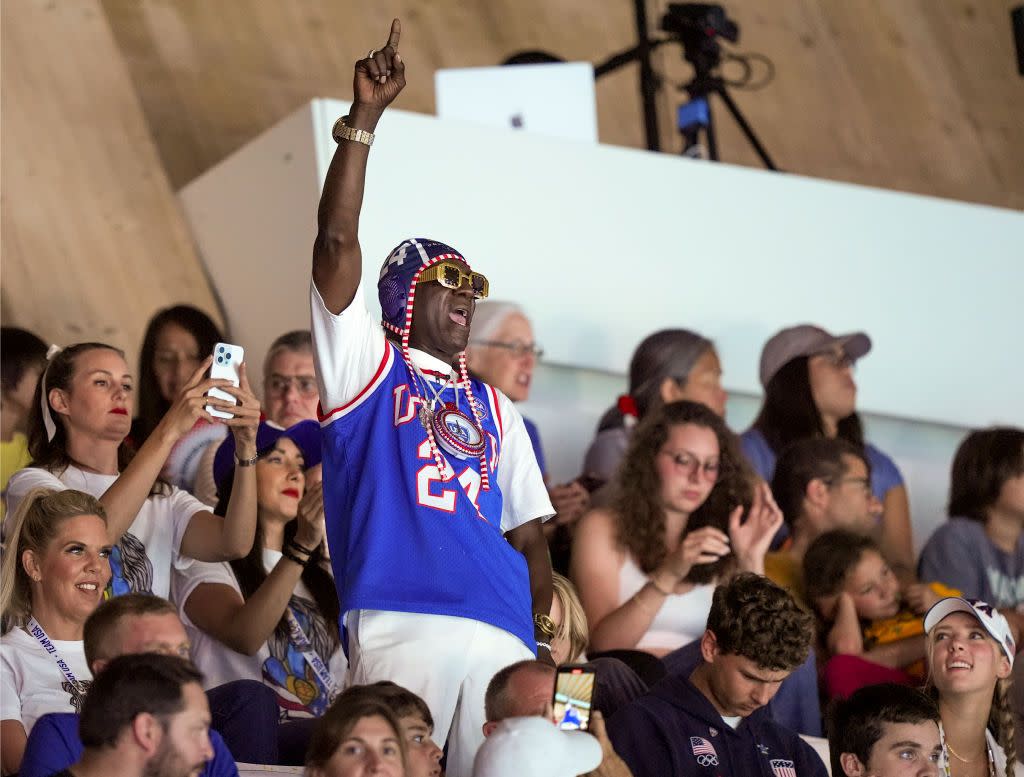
(226, 360)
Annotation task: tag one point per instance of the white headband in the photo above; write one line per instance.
(44, 401)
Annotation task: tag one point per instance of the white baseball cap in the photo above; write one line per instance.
(988, 616)
(537, 747)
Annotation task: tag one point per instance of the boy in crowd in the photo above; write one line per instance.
(417, 727)
(129, 625)
(885, 730)
(145, 716)
(713, 722)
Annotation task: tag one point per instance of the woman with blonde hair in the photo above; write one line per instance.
(571, 632)
(970, 656)
(53, 574)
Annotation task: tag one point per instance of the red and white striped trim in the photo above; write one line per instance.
(329, 417)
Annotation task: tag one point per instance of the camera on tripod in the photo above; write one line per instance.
(698, 27)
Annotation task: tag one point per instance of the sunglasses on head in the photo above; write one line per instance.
(451, 276)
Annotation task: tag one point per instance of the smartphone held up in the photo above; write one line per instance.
(227, 359)
(573, 698)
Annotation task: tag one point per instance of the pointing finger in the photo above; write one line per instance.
(396, 33)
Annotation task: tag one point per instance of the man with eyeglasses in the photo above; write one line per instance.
(820, 484)
(433, 497)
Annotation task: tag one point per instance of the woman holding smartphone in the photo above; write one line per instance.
(81, 418)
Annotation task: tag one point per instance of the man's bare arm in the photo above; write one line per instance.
(337, 259)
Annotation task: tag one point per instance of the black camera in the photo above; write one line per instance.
(699, 19)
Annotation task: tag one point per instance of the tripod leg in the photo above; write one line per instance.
(720, 90)
(709, 132)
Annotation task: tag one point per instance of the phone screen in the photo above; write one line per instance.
(574, 694)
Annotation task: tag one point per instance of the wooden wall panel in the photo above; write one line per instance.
(915, 95)
(93, 240)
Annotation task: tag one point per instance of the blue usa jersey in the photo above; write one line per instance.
(403, 537)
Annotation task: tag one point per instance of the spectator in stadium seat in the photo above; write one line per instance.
(971, 651)
(502, 352)
(77, 440)
(142, 623)
(54, 571)
(22, 358)
(520, 689)
(272, 615)
(358, 735)
(809, 391)
(980, 549)
(820, 484)
(756, 635)
(885, 730)
(668, 366)
(145, 716)
(646, 567)
(417, 726)
(291, 395)
(177, 340)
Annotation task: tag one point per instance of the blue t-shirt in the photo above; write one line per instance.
(960, 554)
(885, 475)
(401, 538)
(53, 745)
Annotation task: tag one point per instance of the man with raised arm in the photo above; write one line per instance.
(432, 493)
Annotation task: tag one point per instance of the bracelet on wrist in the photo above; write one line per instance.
(295, 544)
(288, 554)
(239, 461)
(658, 588)
(544, 645)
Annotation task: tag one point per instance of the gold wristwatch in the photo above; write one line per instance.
(342, 132)
(544, 624)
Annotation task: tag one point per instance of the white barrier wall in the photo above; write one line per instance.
(604, 245)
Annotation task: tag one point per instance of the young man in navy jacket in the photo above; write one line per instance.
(714, 722)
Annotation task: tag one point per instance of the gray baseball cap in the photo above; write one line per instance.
(807, 340)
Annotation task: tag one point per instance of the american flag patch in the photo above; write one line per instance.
(704, 751)
(783, 768)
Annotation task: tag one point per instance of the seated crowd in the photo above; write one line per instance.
(370, 571)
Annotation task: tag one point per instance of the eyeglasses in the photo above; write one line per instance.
(517, 348)
(450, 275)
(278, 385)
(690, 464)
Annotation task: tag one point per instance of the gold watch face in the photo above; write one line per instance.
(544, 623)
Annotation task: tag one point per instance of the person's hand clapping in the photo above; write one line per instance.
(752, 537)
(310, 525)
(379, 76)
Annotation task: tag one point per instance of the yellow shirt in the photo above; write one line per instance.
(784, 569)
(13, 456)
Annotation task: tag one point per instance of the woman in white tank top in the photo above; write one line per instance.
(646, 566)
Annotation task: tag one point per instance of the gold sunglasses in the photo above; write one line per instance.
(451, 276)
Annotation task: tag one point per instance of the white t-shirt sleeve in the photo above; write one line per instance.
(348, 348)
(524, 495)
(182, 506)
(10, 701)
(24, 480)
(190, 574)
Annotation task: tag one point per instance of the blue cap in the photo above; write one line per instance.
(397, 273)
(305, 435)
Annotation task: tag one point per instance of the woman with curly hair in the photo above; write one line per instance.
(970, 658)
(646, 567)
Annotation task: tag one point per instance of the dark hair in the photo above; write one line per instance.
(60, 372)
(299, 341)
(498, 702)
(812, 458)
(669, 353)
(789, 413)
(829, 560)
(754, 618)
(403, 702)
(20, 350)
(151, 405)
(130, 686)
(101, 625)
(639, 514)
(251, 573)
(856, 724)
(351, 706)
(985, 460)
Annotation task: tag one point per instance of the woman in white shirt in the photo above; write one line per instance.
(646, 567)
(77, 432)
(272, 615)
(54, 572)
